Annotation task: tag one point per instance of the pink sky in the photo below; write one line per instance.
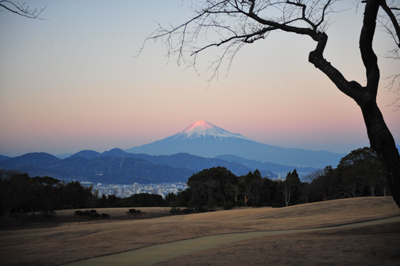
(72, 82)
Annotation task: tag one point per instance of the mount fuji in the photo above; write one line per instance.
(207, 140)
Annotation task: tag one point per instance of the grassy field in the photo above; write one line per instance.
(62, 244)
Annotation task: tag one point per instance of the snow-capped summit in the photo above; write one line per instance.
(204, 129)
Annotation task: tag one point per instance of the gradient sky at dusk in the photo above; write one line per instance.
(72, 82)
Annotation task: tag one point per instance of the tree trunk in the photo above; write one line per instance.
(380, 138)
(372, 190)
(382, 142)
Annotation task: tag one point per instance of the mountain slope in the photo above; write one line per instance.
(278, 169)
(206, 140)
(2, 157)
(36, 159)
(88, 154)
(188, 161)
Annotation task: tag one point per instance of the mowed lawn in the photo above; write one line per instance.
(59, 245)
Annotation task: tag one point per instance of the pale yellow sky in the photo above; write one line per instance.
(72, 82)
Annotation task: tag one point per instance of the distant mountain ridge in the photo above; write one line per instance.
(199, 137)
(2, 157)
(118, 167)
(180, 160)
(102, 169)
(88, 154)
(206, 140)
(275, 168)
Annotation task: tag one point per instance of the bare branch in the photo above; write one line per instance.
(21, 9)
(394, 22)
(238, 22)
(390, 88)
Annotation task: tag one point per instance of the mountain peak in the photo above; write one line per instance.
(199, 124)
(203, 128)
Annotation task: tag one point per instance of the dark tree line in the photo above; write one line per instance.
(359, 173)
(136, 200)
(19, 192)
(219, 187)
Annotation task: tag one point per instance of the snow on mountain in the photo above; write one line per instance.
(204, 129)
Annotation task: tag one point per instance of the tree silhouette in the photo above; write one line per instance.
(290, 187)
(231, 24)
(15, 188)
(362, 165)
(323, 184)
(21, 9)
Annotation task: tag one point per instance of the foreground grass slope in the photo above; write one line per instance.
(365, 245)
(59, 245)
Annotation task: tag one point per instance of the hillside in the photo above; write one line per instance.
(72, 242)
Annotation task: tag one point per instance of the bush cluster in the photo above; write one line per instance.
(228, 206)
(92, 214)
(187, 211)
(134, 211)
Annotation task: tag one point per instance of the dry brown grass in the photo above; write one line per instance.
(367, 246)
(59, 245)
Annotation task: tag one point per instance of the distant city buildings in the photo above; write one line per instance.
(136, 188)
(127, 190)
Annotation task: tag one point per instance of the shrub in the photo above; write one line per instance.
(228, 206)
(81, 213)
(105, 215)
(175, 210)
(92, 211)
(132, 211)
(94, 215)
(187, 211)
(202, 209)
(191, 205)
(276, 205)
(137, 211)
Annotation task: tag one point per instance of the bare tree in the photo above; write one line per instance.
(233, 190)
(290, 186)
(323, 184)
(287, 192)
(231, 24)
(21, 9)
(209, 187)
(246, 188)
